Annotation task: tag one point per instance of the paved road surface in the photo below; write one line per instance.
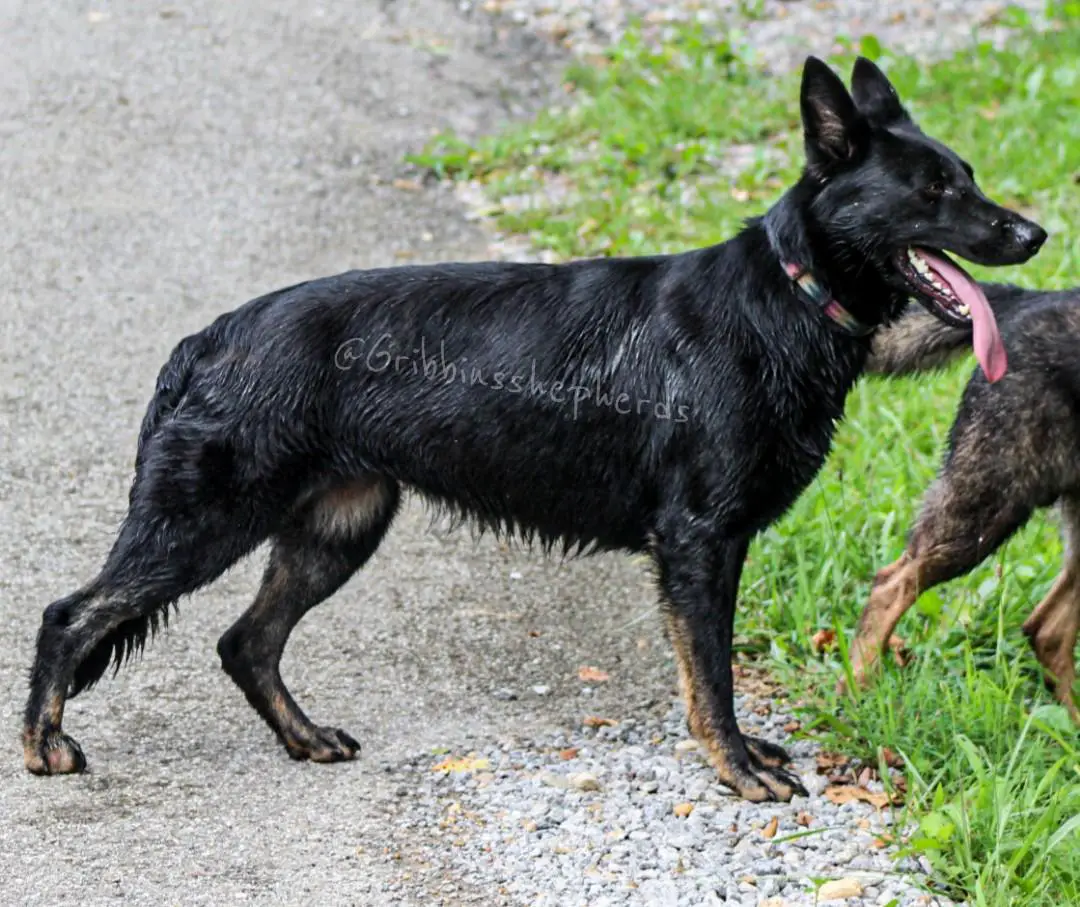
(160, 163)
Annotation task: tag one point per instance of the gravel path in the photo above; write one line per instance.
(626, 811)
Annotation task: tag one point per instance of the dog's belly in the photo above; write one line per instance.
(530, 469)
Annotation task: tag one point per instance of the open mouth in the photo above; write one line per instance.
(949, 293)
(931, 287)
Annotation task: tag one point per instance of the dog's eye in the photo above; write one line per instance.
(935, 190)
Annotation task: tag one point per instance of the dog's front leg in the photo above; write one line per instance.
(700, 589)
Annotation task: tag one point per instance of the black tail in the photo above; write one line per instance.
(172, 384)
(919, 342)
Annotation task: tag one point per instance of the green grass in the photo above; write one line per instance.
(992, 764)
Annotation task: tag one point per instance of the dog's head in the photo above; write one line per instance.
(902, 199)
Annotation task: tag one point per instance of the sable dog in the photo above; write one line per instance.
(1014, 448)
(674, 404)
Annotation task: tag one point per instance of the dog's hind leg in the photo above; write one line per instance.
(968, 514)
(1053, 625)
(158, 557)
(326, 542)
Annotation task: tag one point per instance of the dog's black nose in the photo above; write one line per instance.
(1028, 235)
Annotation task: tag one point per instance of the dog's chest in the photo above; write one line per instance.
(794, 445)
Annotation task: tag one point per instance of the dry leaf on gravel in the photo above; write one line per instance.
(592, 675)
(596, 721)
(828, 761)
(804, 819)
(682, 810)
(568, 753)
(584, 781)
(769, 831)
(464, 764)
(893, 760)
(755, 682)
(845, 793)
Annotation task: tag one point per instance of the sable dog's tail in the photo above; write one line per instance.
(919, 342)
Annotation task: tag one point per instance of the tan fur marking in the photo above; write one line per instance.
(700, 725)
(681, 643)
(350, 509)
(1052, 631)
(31, 755)
(286, 718)
(54, 711)
(895, 590)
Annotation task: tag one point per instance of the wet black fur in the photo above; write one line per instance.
(734, 385)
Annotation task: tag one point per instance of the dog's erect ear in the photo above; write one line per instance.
(833, 129)
(875, 95)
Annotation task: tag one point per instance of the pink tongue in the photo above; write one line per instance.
(989, 349)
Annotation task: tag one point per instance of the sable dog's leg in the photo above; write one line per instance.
(896, 588)
(700, 584)
(967, 516)
(311, 559)
(1053, 625)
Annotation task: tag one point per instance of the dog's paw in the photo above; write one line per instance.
(324, 744)
(761, 783)
(53, 754)
(765, 753)
(746, 771)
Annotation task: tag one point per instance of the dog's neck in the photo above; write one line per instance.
(807, 265)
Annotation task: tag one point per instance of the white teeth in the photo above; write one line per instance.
(927, 273)
(964, 309)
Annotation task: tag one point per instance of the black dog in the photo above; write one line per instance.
(1014, 448)
(671, 404)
